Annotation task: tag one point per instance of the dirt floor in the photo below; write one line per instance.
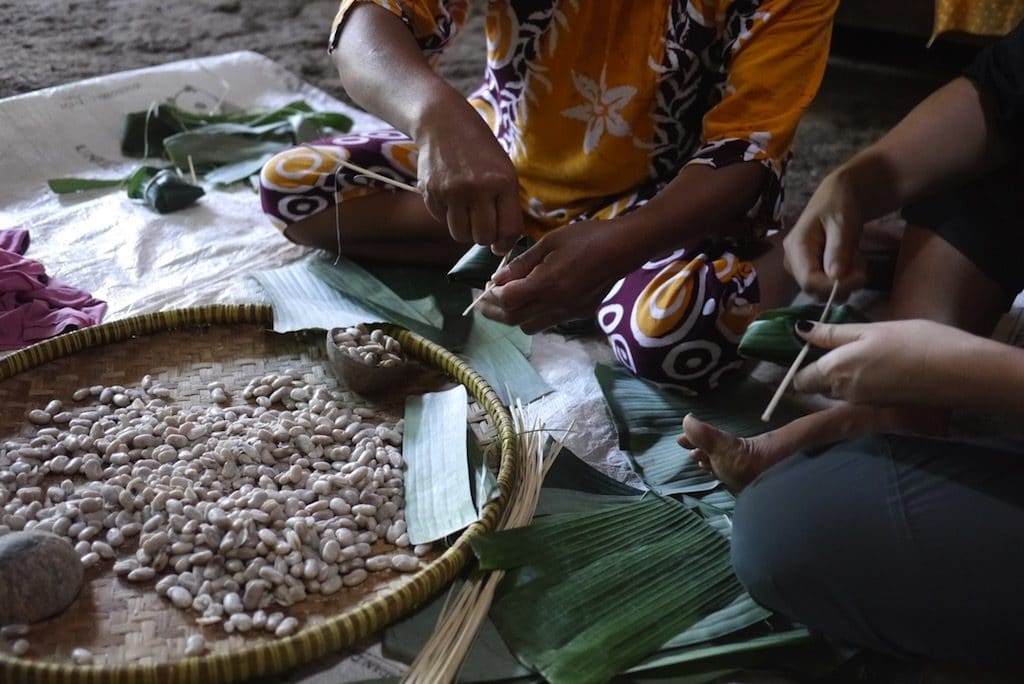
(50, 42)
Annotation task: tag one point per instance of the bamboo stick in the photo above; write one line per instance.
(489, 286)
(788, 378)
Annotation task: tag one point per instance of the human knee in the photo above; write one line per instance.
(295, 184)
(678, 321)
(761, 554)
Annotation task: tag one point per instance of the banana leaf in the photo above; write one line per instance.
(484, 484)
(573, 486)
(163, 190)
(498, 352)
(771, 337)
(479, 263)
(67, 186)
(145, 131)
(592, 594)
(438, 498)
(648, 419)
(491, 351)
(351, 279)
(211, 149)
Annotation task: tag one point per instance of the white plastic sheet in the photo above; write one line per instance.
(139, 261)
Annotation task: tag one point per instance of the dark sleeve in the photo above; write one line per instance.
(999, 71)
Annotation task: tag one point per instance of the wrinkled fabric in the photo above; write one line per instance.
(33, 306)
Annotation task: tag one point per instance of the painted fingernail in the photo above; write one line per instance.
(804, 326)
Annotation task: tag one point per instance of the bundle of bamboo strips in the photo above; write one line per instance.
(441, 657)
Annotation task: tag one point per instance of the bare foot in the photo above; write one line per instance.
(736, 461)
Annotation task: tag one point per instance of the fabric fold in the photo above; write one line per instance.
(34, 306)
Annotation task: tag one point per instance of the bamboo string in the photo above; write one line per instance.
(788, 378)
(442, 656)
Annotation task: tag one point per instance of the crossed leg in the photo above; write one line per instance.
(934, 281)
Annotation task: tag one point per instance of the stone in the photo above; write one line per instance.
(40, 576)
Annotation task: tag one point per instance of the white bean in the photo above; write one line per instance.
(195, 645)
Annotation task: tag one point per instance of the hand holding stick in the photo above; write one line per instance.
(490, 285)
(767, 415)
(405, 186)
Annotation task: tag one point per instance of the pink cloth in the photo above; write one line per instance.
(33, 306)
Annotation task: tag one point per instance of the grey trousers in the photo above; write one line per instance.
(907, 546)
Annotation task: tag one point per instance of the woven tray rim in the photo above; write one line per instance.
(312, 642)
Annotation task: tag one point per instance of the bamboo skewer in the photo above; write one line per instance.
(490, 284)
(404, 186)
(788, 378)
(376, 176)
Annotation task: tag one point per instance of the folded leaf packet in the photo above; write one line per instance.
(477, 265)
(771, 336)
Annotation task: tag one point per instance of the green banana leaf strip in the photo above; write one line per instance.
(438, 500)
(771, 337)
(569, 471)
(161, 189)
(65, 186)
(484, 483)
(238, 171)
(740, 614)
(615, 526)
(726, 654)
(597, 592)
(210, 150)
(490, 350)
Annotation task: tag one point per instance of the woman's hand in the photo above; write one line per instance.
(565, 275)
(822, 246)
(467, 179)
(895, 362)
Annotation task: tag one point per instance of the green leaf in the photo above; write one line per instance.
(136, 184)
(302, 301)
(210, 150)
(64, 186)
(771, 337)
(145, 131)
(484, 483)
(597, 592)
(491, 351)
(648, 419)
(438, 497)
(238, 171)
(166, 191)
(478, 264)
(725, 653)
(352, 280)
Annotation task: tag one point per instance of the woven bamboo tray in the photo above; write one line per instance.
(138, 637)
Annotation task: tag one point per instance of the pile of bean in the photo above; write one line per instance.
(371, 347)
(235, 509)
